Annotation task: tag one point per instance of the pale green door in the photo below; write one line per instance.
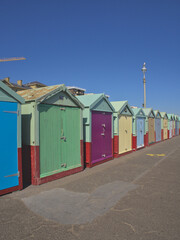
(70, 138)
(59, 139)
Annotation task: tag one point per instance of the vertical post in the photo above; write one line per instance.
(144, 81)
(144, 69)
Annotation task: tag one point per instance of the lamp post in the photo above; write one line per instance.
(144, 69)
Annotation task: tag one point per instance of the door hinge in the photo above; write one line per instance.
(14, 112)
(62, 109)
(64, 165)
(13, 175)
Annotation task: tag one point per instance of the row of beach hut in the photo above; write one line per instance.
(47, 133)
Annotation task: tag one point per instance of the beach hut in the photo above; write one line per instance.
(52, 134)
(10, 141)
(164, 125)
(176, 125)
(149, 126)
(138, 128)
(170, 125)
(157, 125)
(122, 128)
(98, 128)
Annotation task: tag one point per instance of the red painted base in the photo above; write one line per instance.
(98, 163)
(87, 155)
(123, 154)
(20, 186)
(38, 181)
(146, 139)
(31, 166)
(134, 143)
(9, 190)
(116, 144)
(162, 134)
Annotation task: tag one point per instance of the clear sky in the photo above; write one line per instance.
(99, 45)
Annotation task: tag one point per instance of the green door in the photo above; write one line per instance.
(59, 139)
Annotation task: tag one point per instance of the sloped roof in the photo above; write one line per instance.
(136, 111)
(40, 94)
(148, 111)
(120, 105)
(176, 118)
(12, 93)
(163, 114)
(156, 112)
(170, 116)
(90, 100)
(36, 93)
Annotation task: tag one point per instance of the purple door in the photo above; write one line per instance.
(101, 136)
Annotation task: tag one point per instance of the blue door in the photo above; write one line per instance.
(158, 129)
(176, 127)
(8, 146)
(140, 132)
(170, 129)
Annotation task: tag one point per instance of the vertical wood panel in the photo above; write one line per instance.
(59, 139)
(8, 145)
(125, 134)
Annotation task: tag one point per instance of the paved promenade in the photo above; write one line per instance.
(134, 197)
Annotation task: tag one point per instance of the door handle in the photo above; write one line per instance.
(64, 138)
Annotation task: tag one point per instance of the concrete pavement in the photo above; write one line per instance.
(133, 197)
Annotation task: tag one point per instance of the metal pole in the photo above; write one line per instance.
(144, 69)
(144, 81)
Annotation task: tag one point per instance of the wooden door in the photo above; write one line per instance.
(9, 175)
(59, 139)
(158, 129)
(151, 129)
(101, 136)
(165, 127)
(140, 132)
(125, 134)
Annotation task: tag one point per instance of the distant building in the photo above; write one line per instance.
(35, 85)
(19, 86)
(76, 90)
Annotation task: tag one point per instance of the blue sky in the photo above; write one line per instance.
(99, 45)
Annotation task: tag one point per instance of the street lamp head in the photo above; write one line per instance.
(144, 69)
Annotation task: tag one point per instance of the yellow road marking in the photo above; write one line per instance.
(159, 155)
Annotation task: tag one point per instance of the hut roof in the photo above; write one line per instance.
(10, 92)
(119, 106)
(40, 94)
(148, 112)
(90, 100)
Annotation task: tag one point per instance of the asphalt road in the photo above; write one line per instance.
(136, 196)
